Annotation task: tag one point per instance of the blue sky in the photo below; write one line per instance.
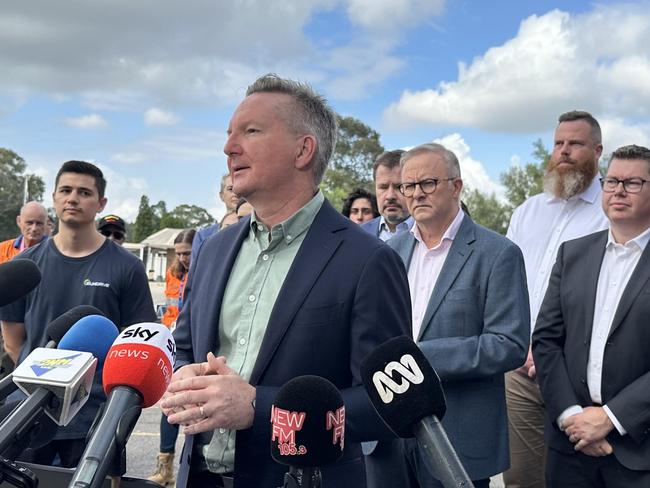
(145, 89)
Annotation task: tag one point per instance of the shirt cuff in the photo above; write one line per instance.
(614, 420)
(572, 410)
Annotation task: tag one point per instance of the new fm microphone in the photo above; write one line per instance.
(407, 394)
(55, 331)
(137, 371)
(17, 278)
(307, 429)
(58, 381)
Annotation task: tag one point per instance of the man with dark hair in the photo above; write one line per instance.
(79, 266)
(113, 227)
(568, 208)
(394, 217)
(294, 289)
(470, 314)
(591, 341)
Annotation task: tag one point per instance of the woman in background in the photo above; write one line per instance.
(360, 206)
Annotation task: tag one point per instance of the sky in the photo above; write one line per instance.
(145, 89)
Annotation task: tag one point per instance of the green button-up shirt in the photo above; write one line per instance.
(259, 271)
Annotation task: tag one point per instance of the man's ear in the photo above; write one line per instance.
(102, 203)
(306, 151)
(18, 220)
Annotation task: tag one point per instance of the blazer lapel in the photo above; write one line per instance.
(589, 281)
(639, 278)
(221, 263)
(460, 250)
(320, 243)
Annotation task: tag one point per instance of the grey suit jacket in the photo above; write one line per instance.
(476, 328)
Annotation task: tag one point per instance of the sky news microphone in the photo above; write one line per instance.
(17, 278)
(137, 371)
(307, 429)
(57, 381)
(407, 394)
(58, 328)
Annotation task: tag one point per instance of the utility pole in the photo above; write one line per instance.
(26, 190)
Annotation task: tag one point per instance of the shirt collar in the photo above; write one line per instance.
(640, 241)
(295, 225)
(450, 232)
(405, 224)
(590, 195)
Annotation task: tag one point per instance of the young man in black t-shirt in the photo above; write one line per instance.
(78, 266)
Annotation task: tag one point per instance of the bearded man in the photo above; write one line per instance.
(569, 208)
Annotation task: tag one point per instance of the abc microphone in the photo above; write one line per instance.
(408, 396)
(17, 278)
(137, 371)
(58, 381)
(55, 331)
(307, 429)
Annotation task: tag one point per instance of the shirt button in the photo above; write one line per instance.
(251, 298)
(242, 341)
(265, 257)
(222, 430)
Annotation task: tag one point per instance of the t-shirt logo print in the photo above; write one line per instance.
(88, 282)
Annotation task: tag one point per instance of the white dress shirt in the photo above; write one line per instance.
(618, 264)
(425, 268)
(542, 223)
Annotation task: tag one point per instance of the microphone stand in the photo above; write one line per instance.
(302, 478)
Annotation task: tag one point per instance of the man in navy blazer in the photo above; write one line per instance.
(328, 294)
(470, 312)
(394, 218)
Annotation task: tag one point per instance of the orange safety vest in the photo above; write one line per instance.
(8, 250)
(174, 287)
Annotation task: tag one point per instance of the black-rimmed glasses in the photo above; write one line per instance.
(427, 186)
(631, 185)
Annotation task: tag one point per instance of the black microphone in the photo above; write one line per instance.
(307, 429)
(17, 278)
(55, 331)
(407, 394)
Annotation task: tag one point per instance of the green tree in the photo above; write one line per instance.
(13, 171)
(147, 222)
(356, 149)
(186, 216)
(488, 210)
(522, 183)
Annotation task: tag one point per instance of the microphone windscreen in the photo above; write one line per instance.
(307, 423)
(142, 357)
(17, 278)
(94, 334)
(58, 327)
(402, 385)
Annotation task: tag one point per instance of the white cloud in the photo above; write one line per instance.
(92, 121)
(156, 116)
(129, 157)
(556, 62)
(123, 193)
(392, 14)
(617, 133)
(472, 171)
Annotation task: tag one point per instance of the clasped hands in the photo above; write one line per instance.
(587, 430)
(206, 396)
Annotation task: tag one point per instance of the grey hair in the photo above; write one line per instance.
(311, 114)
(450, 159)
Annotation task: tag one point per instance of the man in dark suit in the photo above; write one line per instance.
(591, 339)
(294, 289)
(394, 217)
(470, 312)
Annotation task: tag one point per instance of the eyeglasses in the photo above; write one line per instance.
(427, 186)
(184, 254)
(631, 185)
(117, 235)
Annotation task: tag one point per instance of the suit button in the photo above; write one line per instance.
(583, 381)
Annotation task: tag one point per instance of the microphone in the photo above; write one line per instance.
(408, 396)
(307, 429)
(55, 331)
(137, 371)
(17, 278)
(58, 381)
